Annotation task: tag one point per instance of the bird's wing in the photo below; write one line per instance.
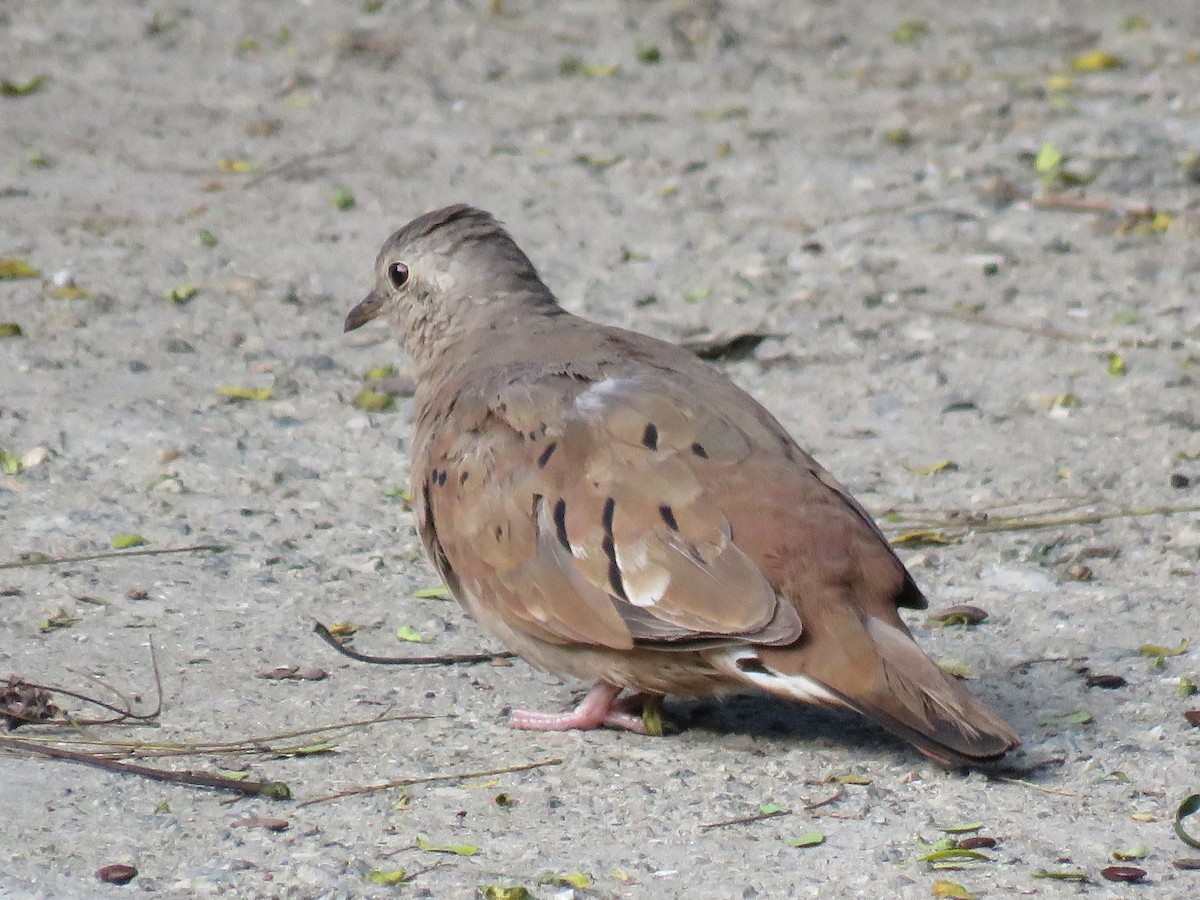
(590, 512)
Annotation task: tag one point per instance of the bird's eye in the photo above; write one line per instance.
(397, 274)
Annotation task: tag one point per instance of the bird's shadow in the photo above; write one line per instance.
(770, 718)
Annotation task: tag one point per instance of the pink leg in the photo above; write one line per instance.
(599, 708)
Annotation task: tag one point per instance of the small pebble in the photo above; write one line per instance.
(1179, 480)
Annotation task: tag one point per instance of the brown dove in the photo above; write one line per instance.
(612, 508)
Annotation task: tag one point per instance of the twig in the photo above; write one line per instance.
(1072, 203)
(1018, 523)
(405, 782)
(275, 790)
(1037, 787)
(295, 162)
(125, 713)
(980, 319)
(145, 749)
(1026, 663)
(41, 559)
(450, 660)
(758, 817)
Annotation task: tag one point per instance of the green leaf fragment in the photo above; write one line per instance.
(181, 294)
(21, 88)
(1062, 875)
(648, 53)
(1116, 365)
(373, 401)
(853, 778)
(964, 828)
(13, 267)
(1160, 651)
(1097, 61)
(10, 463)
(375, 373)
(908, 32)
(1187, 687)
(501, 892)
(1079, 717)
(423, 843)
(808, 839)
(206, 238)
(951, 890)
(387, 876)
(1048, 161)
(59, 619)
(955, 854)
(233, 774)
(944, 465)
(408, 633)
(771, 808)
(277, 790)
(245, 393)
(581, 880)
(1190, 806)
(433, 593)
(652, 715)
(125, 541)
(10, 329)
(1137, 851)
(343, 199)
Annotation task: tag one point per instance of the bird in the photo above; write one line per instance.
(614, 509)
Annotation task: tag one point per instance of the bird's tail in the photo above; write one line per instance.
(879, 671)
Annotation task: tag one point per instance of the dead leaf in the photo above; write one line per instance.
(260, 822)
(118, 873)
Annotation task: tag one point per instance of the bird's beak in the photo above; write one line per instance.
(365, 311)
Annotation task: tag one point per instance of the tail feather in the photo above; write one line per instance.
(889, 680)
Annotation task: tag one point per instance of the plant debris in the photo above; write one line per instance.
(1190, 806)
(962, 614)
(117, 873)
(1131, 874)
(22, 703)
(12, 268)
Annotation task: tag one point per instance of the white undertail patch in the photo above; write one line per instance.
(798, 687)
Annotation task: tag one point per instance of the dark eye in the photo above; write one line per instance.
(397, 273)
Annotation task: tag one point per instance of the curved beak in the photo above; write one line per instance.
(365, 311)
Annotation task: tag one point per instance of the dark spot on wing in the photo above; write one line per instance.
(441, 477)
(462, 479)
(699, 450)
(609, 547)
(650, 437)
(668, 516)
(560, 523)
(546, 454)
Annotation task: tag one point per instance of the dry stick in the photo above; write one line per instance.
(276, 790)
(124, 714)
(405, 782)
(1071, 203)
(247, 745)
(980, 319)
(43, 560)
(1016, 523)
(451, 660)
(758, 817)
(295, 162)
(1037, 787)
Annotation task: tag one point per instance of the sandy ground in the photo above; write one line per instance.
(820, 171)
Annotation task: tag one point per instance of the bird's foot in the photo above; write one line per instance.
(599, 709)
